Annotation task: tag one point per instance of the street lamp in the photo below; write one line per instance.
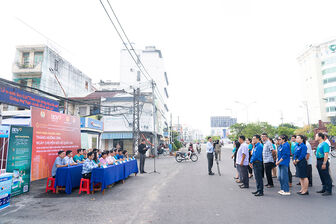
(246, 108)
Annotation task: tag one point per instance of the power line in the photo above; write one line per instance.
(129, 42)
(120, 36)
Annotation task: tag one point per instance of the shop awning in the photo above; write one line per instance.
(16, 121)
(117, 135)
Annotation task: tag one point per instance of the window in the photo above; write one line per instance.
(331, 109)
(25, 59)
(166, 92)
(138, 76)
(328, 70)
(330, 80)
(166, 77)
(328, 61)
(56, 65)
(82, 111)
(330, 89)
(38, 56)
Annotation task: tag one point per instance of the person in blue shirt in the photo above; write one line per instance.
(293, 144)
(299, 160)
(116, 154)
(257, 163)
(59, 162)
(283, 163)
(88, 165)
(322, 164)
(120, 154)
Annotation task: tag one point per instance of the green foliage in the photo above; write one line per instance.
(236, 130)
(283, 130)
(306, 131)
(174, 147)
(287, 125)
(331, 129)
(248, 130)
(214, 138)
(178, 144)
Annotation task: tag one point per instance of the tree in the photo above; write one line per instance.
(306, 131)
(283, 130)
(331, 129)
(236, 130)
(287, 125)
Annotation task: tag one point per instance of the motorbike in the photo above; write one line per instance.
(180, 156)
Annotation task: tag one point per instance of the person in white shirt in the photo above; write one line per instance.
(210, 155)
(68, 160)
(309, 159)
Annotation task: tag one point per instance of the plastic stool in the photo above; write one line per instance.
(52, 184)
(84, 186)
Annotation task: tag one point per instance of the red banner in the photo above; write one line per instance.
(53, 132)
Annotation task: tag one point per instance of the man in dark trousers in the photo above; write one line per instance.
(210, 155)
(142, 149)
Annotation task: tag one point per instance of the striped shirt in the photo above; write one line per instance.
(267, 152)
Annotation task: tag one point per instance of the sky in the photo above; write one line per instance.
(216, 52)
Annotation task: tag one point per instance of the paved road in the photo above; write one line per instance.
(181, 193)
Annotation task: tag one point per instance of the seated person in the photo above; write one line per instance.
(85, 154)
(59, 162)
(120, 154)
(68, 159)
(110, 157)
(79, 158)
(116, 156)
(125, 154)
(95, 156)
(88, 165)
(103, 159)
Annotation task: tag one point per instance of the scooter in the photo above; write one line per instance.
(180, 156)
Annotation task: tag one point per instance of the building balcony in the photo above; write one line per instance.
(19, 67)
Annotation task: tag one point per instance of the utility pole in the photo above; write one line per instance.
(154, 118)
(178, 128)
(136, 119)
(171, 129)
(282, 118)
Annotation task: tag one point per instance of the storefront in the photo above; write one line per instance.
(91, 130)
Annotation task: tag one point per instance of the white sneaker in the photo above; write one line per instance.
(280, 192)
(286, 193)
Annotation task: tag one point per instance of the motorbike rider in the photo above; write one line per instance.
(190, 150)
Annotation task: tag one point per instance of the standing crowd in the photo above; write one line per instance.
(263, 156)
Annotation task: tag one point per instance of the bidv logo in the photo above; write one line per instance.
(55, 118)
(332, 48)
(16, 130)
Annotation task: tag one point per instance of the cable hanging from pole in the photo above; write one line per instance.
(122, 39)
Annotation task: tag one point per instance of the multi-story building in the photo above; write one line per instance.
(130, 75)
(318, 63)
(220, 125)
(41, 67)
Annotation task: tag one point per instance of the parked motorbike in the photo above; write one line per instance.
(180, 156)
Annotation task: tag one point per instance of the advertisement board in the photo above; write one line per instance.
(52, 132)
(4, 131)
(19, 158)
(21, 98)
(5, 189)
